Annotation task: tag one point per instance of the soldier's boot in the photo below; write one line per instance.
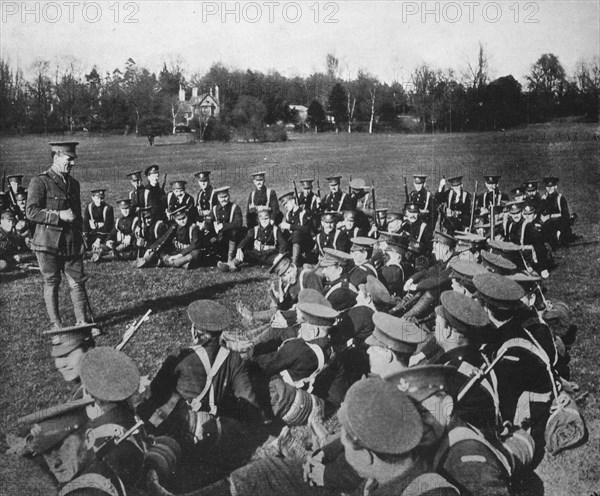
(424, 306)
(182, 261)
(295, 253)
(80, 302)
(231, 257)
(51, 300)
(244, 311)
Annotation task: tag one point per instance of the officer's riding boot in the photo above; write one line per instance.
(295, 253)
(80, 303)
(423, 307)
(51, 300)
(231, 257)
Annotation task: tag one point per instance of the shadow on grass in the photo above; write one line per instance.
(166, 303)
(13, 276)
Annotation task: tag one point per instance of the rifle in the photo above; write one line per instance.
(3, 181)
(349, 187)
(406, 190)
(131, 330)
(473, 208)
(296, 192)
(113, 442)
(318, 189)
(492, 222)
(480, 374)
(374, 204)
(164, 181)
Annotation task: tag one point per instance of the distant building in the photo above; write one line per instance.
(203, 106)
(301, 112)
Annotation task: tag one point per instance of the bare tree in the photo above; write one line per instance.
(479, 70)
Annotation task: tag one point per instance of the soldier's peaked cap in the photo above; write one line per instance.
(18, 177)
(281, 263)
(317, 314)
(124, 203)
(202, 175)
(306, 182)
(492, 178)
(22, 195)
(550, 180)
(411, 207)
(330, 216)
(97, 191)
(52, 425)
(531, 185)
(497, 263)
(444, 238)
(8, 214)
(461, 312)
(134, 175)
(65, 147)
(109, 375)
(153, 169)
(358, 183)
(395, 333)
(455, 181)
(287, 196)
(362, 243)
(65, 339)
(334, 257)
(377, 290)
(258, 174)
(180, 212)
(379, 417)
(421, 382)
(420, 178)
(208, 315)
(222, 189)
(466, 269)
(310, 295)
(498, 291)
(178, 184)
(333, 179)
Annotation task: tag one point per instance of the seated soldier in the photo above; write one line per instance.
(178, 198)
(381, 222)
(330, 236)
(462, 275)
(361, 252)
(190, 247)
(13, 249)
(335, 266)
(98, 222)
(261, 196)
(152, 235)
(349, 225)
(24, 226)
(263, 242)
(227, 223)
(200, 395)
(122, 241)
(297, 228)
(454, 205)
(393, 271)
(416, 228)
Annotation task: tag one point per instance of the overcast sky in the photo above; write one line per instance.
(387, 38)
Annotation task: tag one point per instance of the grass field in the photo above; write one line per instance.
(120, 294)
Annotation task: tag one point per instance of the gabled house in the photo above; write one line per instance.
(203, 106)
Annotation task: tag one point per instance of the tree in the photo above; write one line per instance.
(338, 101)
(424, 80)
(479, 70)
(547, 76)
(367, 86)
(249, 114)
(70, 93)
(316, 115)
(154, 125)
(333, 66)
(42, 103)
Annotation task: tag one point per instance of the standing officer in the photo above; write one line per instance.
(261, 196)
(154, 195)
(54, 205)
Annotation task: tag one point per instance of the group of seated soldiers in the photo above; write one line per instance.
(446, 367)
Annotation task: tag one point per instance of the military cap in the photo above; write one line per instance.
(306, 182)
(288, 196)
(529, 282)
(529, 209)
(362, 243)
(399, 241)
(455, 181)
(316, 314)
(378, 292)
(310, 295)
(395, 333)
(98, 191)
(380, 418)
(349, 214)
(518, 191)
(65, 339)
(65, 147)
(515, 207)
(358, 183)
(8, 214)
(208, 315)
(180, 213)
(470, 238)
(153, 169)
(412, 208)
(334, 257)
(17, 177)
(135, 175)
(461, 312)
(146, 211)
(124, 203)
(423, 381)
(258, 174)
(222, 189)
(178, 184)
(464, 269)
(108, 374)
(492, 179)
(50, 426)
(394, 216)
(531, 185)
(498, 291)
(550, 180)
(333, 179)
(419, 178)
(22, 195)
(330, 216)
(202, 175)
(497, 263)
(263, 210)
(503, 246)
(281, 264)
(446, 239)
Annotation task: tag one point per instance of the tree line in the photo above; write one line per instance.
(62, 97)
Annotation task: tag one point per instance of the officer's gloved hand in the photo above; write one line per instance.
(313, 470)
(66, 215)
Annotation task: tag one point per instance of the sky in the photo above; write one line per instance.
(386, 38)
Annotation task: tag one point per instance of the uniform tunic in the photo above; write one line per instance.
(426, 202)
(156, 199)
(262, 197)
(336, 239)
(174, 203)
(460, 205)
(206, 200)
(336, 202)
(93, 216)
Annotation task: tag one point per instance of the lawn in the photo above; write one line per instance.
(120, 293)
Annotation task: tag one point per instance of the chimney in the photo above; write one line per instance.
(210, 91)
(194, 92)
(181, 94)
(217, 94)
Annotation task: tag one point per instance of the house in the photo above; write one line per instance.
(203, 106)
(301, 112)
